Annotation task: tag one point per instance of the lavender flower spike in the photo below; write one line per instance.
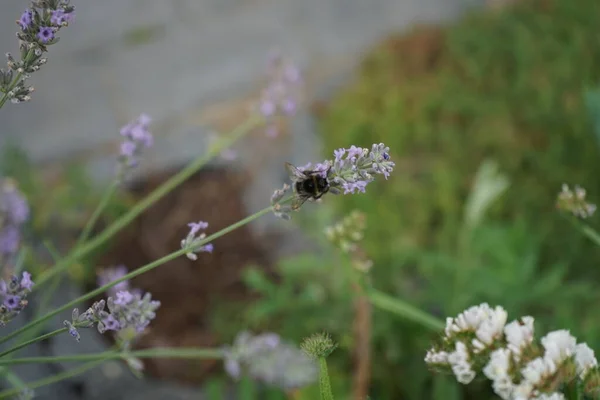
(137, 137)
(349, 172)
(354, 168)
(192, 242)
(282, 93)
(126, 311)
(14, 211)
(38, 28)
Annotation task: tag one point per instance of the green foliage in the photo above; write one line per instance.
(59, 206)
(511, 85)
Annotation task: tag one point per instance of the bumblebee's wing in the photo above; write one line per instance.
(297, 202)
(294, 173)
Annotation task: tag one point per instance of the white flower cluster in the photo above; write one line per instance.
(574, 201)
(517, 367)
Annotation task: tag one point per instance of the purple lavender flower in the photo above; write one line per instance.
(60, 17)
(45, 34)
(39, 25)
(129, 311)
(282, 93)
(12, 302)
(109, 275)
(110, 323)
(354, 168)
(26, 19)
(268, 359)
(13, 294)
(193, 242)
(26, 281)
(14, 211)
(137, 137)
(349, 172)
(9, 240)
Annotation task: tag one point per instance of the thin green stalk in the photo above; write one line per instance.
(87, 229)
(148, 201)
(180, 353)
(133, 274)
(403, 309)
(13, 378)
(53, 379)
(585, 229)
(32, 341)
(324, 383)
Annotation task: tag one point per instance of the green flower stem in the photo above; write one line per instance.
(324, 384)
(144, 204)
(180, 352)
(133, 274)
(53, 379)
(31, 341)
(403, 309)
(586, 230)
(13, 379)
(87, 229)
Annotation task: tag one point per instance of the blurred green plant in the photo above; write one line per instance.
(510, 85)
(61, 203)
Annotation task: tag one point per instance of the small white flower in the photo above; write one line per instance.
(585, 359)
(550, 396)
(471, 318)
(459, 361)
(436, 357)
(539, 369)
(519, 335)
(497, 371)
(559, 345)
(490, 328)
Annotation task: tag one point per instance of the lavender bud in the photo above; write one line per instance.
(192, 241)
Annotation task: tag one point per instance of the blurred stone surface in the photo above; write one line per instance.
(192, 65)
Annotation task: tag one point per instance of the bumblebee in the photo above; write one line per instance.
(308, 184)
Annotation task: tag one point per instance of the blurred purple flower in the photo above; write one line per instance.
(108, 275)
(14, 211)
(137, 137)
(26, 19)
(14, 294)
(282, 93)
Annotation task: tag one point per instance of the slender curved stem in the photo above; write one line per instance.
(586, 230)
(179, 352)
(53, 379)
(148, 201)
(32, 341)
(404, 310)
(132, 274)
(87, 229)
